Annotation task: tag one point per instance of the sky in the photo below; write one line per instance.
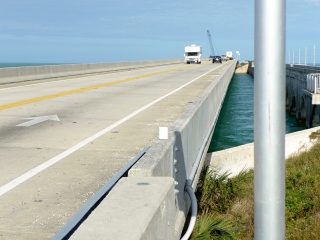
(92, 31)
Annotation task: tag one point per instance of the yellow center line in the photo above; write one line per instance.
(56, 95)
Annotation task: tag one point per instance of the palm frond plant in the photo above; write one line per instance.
(209, 227)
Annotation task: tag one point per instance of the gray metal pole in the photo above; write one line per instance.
(293, 57)
(269, 120)
(305, 57)
(314, 55)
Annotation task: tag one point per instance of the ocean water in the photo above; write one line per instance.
(6, 65)
(236, 121)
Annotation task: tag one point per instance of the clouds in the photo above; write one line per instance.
(120, 18)
(314, 2)
(160, 28)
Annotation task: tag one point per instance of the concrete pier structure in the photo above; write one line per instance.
(299, 100)
(301, 103)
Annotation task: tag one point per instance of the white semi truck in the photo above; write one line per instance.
(192, 54)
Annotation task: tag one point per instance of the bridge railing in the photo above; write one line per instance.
(31, 73)
(313, 83)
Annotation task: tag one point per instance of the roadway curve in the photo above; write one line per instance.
(50, 168)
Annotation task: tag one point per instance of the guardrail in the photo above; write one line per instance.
(22, 74)
(313, 83)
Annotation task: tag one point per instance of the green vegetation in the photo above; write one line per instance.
(226, 204)
(209, 227)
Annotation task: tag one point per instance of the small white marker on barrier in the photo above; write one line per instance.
(163, 133)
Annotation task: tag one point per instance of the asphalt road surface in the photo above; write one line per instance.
(62, 140)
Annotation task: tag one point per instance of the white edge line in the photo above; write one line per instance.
(17, 181)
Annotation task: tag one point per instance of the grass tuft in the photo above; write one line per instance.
(209, 227)
(231, 200)
(315, 135)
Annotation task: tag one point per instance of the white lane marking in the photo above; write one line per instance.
(36, 120)
(24, 177)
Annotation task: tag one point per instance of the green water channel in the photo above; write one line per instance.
(235, 123)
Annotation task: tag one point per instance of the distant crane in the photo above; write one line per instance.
(211, 45)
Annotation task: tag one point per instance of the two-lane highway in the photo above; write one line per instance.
(60, 141)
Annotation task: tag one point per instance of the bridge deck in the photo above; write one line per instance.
(51, 168)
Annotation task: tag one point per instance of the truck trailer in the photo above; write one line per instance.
(192, 54)
(229, 55)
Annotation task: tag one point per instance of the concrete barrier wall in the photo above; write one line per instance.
(21, 74)
(238, 158)
(186, 136)
(190, 130)
(137, 208)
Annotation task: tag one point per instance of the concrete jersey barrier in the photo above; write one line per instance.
(186, 136)
(22, 74)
